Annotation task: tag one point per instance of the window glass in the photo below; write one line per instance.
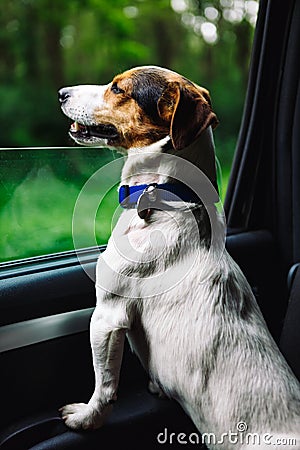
(46, 45)
(46, 204)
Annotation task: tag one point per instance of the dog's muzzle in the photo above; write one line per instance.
(83, 131)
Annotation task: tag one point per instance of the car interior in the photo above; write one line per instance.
(46, 303)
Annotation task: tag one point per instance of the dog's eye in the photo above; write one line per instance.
(116, 90)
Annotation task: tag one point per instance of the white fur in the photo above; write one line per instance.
(83, 101)
(201, 338)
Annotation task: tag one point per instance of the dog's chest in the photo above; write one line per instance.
(135, 242)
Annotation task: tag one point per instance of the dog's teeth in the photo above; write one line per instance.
(75, 127)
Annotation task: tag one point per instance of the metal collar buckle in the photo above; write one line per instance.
(148, 201)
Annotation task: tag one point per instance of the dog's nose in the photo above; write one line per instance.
(63, 95)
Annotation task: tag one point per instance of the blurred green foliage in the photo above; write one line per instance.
(47, 44)
(39, 191)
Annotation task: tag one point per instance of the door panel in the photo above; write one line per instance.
(46, 357)
(42, 373)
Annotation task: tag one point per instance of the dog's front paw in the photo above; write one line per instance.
(83, 416)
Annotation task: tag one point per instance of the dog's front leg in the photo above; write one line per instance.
(107, 340)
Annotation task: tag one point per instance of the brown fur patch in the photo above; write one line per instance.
(142, 121)
(121, 110)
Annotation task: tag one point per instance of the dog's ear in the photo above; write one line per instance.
(188, 111)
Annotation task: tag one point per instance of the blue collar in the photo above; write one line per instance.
(130, 195)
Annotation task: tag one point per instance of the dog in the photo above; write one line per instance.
(184, 304)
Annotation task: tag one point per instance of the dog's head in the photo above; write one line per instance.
(139, 107)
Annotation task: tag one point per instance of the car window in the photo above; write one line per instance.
(41, 210)
(46, 45)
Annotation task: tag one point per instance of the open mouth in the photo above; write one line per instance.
(104, 131)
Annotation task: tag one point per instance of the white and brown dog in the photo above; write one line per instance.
(185, 306)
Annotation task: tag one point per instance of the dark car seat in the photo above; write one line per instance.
(290, 336)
